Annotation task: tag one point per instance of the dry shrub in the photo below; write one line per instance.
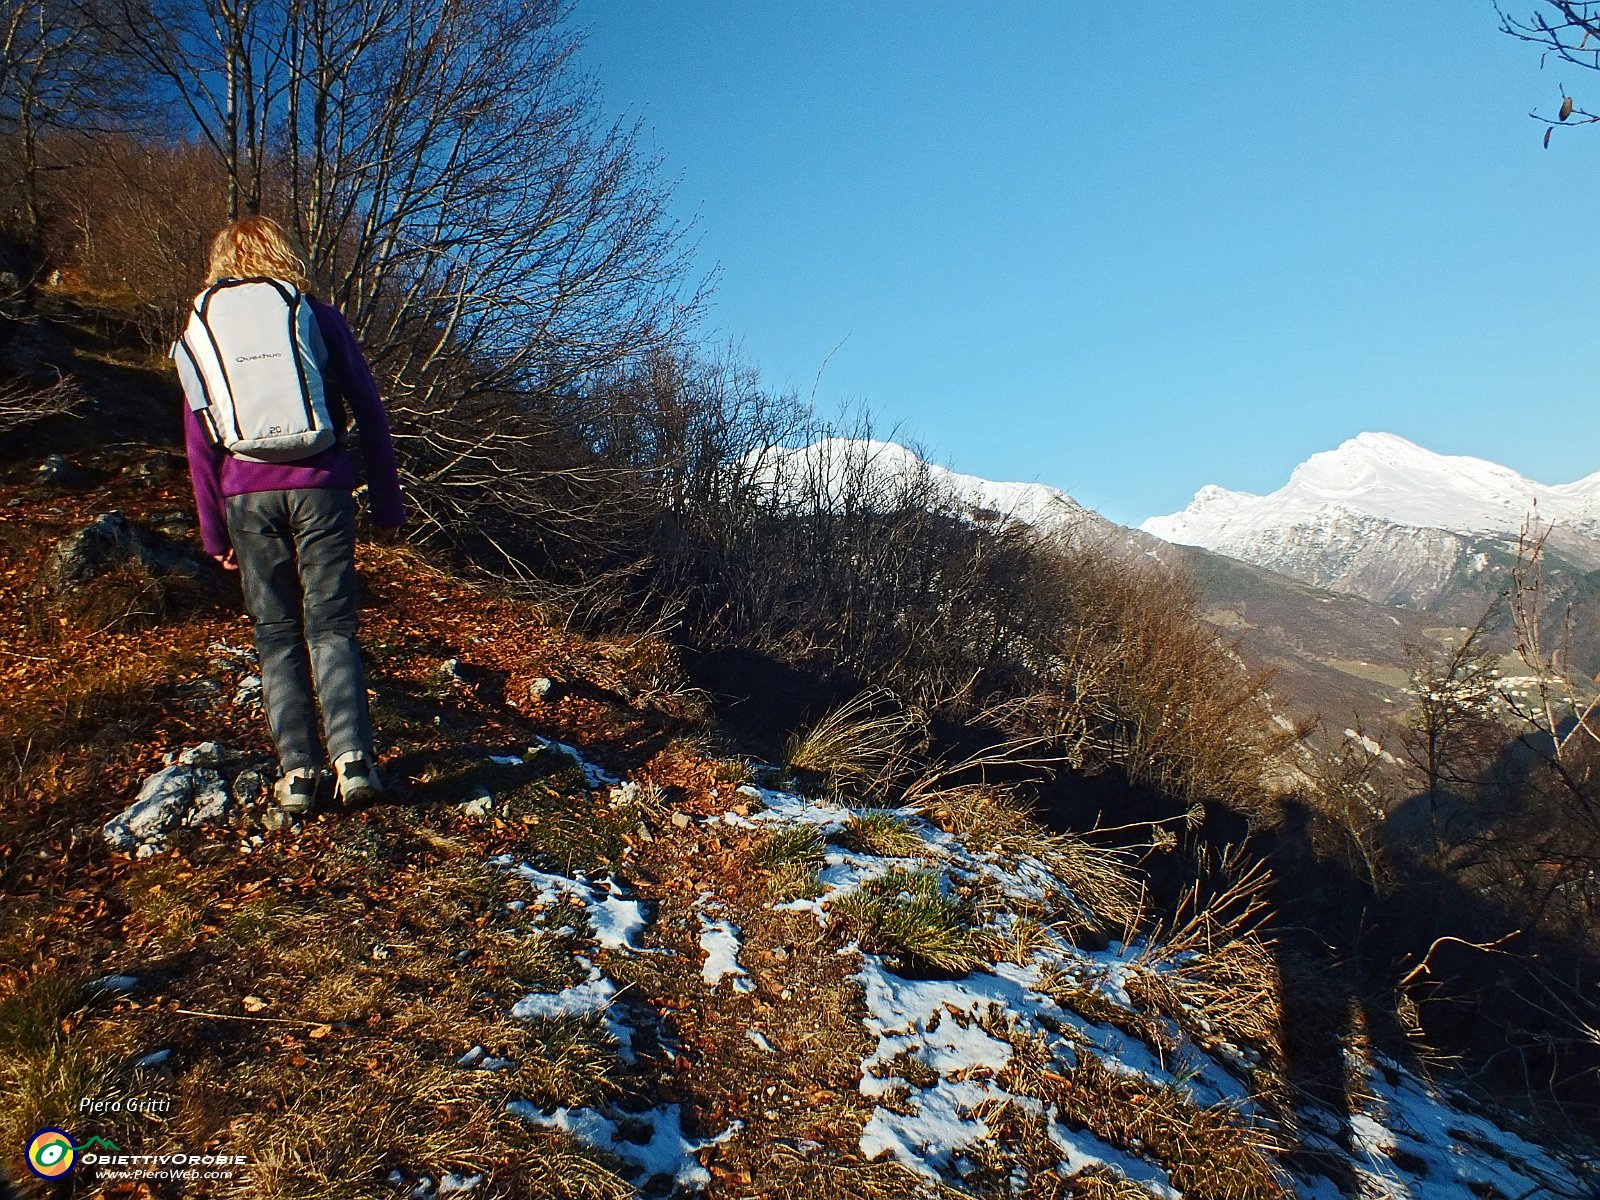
(1144, 684)
(131, 218)
(23, 403)
(1208, 967)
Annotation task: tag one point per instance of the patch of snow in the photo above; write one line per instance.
(719, 941)
(480, 804)
(614, 918)
(595, 777)
(479, 1059)
(830, 469)
(1081, 1150)
(667, 1152)
(596, 994)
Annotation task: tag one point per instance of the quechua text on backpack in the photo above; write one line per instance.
(249, 361)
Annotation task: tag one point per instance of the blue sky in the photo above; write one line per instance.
(1130, 250)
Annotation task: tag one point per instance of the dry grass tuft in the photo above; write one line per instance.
(1208, 967)
(1021, 940)
(1080, 996)
(130, 597)
(1101, 891)
(791, 857)
(341, 1132)
(857, 744)
(1094, 1183)
(1100, 879)
(51, 1056)
(1207, 1152)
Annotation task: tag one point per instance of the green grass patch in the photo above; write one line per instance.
(906, 918)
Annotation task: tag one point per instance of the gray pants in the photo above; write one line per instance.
(296, 552)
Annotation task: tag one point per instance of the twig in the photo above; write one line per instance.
(195, 1012)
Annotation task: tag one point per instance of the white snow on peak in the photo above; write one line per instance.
(1384, 477)
(832, 469)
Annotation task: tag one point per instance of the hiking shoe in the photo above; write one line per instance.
(357, 779)
(296, 791)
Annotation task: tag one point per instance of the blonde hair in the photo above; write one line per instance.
(256, 246)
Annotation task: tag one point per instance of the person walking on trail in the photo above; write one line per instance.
(267, 372)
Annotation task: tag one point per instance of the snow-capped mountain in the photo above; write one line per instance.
(886, 473)
(1383, 518)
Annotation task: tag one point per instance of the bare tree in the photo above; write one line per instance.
(1569, 31)
(60, 75)
(1452, 735)
(496, 246)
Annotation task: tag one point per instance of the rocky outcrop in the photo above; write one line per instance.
(111, 541)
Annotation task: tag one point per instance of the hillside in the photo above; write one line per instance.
(588, 949)
(1335, 655)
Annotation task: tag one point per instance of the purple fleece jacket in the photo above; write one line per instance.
(347, 380)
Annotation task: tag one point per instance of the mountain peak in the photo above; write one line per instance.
(1385, 477)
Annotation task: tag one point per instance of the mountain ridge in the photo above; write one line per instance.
(1387, 477)
(1385, 519)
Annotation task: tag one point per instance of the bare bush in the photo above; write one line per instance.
(1142, 683)
(22, 403)
(130, 219)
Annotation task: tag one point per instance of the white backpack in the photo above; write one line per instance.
(249, 362)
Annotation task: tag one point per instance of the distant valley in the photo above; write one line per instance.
(1369, 548)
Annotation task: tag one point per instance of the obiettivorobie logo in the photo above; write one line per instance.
(51, 1153)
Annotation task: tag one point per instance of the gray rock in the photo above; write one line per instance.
(249, 787)
(173, 797)
(110, 541)
(121, 984)
(60, 472)
(175, 524)
(248, 691)
(160, 464)
(207, 754)
(206, 784)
